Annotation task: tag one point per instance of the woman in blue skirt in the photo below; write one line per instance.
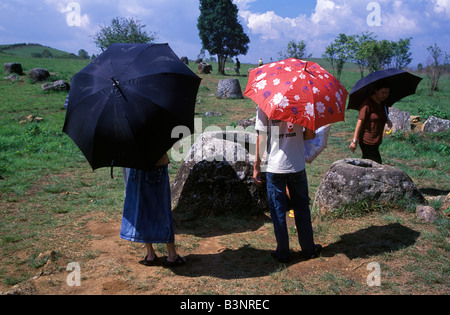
(147, 214)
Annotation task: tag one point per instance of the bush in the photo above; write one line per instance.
(430, 110)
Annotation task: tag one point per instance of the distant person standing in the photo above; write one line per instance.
(373, 117)
(260, 63)
(238, 67)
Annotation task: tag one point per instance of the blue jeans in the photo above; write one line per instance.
(276, 194)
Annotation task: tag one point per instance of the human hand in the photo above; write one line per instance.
(353, 146)
(257, 175)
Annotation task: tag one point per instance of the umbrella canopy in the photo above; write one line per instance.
(314, 147)
(124, 105)
(402, 84)
(299, 92)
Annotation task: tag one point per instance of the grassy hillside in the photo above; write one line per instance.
(63, 68)
(27, 50)
(54, 210)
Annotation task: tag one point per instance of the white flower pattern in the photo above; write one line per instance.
(280, 101)
(261, 85)
(320, 107)
(290, 90)
(309, 109)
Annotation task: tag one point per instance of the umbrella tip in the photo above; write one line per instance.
(116, 83)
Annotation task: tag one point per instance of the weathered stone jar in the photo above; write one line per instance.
(351, 181)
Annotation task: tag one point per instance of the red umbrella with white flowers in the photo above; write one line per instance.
(299, 92)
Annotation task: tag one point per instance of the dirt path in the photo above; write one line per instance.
(217, 264)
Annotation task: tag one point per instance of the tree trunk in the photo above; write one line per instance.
(222, 61)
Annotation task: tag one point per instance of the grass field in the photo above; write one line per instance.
(55, 210)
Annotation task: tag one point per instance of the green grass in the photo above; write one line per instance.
(28, 50)
(48, 193)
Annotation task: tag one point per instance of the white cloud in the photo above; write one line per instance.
(442, 6)
(270, 25)
(243, 4)
(324, 10)
(424, 20)
(132, 8)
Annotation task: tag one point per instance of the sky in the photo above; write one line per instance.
(69, 25)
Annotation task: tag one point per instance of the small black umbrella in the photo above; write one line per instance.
(124, 105)
(402, 84)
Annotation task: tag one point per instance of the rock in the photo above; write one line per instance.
(446, 205)
(229, 88)
(245, 123)
(434, 124)
(185, 60)
(204, 68)
(13, 68)
(351, 181)
(216, 177)
(39, 75)
(416, 123)
(415, 119)
(30, 118)
(401, 121)
(213, 114)
(59, 85)
(12, 77)
(426, 214)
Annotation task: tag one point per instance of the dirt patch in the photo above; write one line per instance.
(235, 260)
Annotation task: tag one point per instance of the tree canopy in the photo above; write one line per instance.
(368, 52)
(123, 30)
(295, 50)
(220, 31)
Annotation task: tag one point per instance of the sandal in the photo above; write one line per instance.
(180, 261)
(149, 263)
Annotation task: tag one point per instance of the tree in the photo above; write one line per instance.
(380, 54)
(402, 55)
(83, 54)
(330, 55)
(220, 31)
(435, 68)
(339, 52)
(295, 50)
(359, 52)
(46, 54)
(123, 30)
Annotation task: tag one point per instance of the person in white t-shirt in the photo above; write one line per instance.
(285, 168)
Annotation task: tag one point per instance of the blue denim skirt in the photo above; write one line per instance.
(147, 213)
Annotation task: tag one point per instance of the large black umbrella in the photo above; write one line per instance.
(402, 84)
(124, 105)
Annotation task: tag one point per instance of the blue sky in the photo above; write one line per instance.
(270, 24)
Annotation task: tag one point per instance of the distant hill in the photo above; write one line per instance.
(34, 50)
